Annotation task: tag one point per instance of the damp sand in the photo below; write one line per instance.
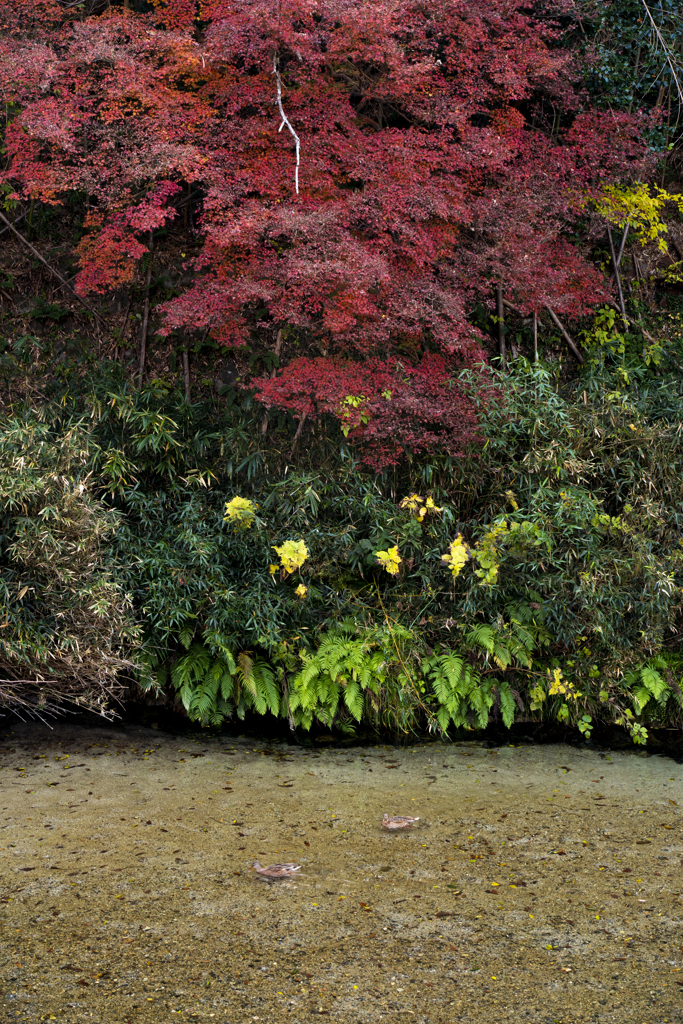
(541, 885)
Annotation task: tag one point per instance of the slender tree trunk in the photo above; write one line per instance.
(623, 241)
(500, 311)
(617, 275)
(299, 432)
(145, 315)
(630, 106)
(534, 328)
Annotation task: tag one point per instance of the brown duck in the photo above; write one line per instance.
(275, 871)
(398, 821)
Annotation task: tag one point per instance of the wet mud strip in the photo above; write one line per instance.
(541, 885)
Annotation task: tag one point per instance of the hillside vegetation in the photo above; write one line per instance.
(340, 362)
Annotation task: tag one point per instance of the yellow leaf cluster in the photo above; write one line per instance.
(419, 507)
(561, 685)
(240, 512)
(640, 206)
(301, 591)
(457, 555)
(390, 560)
(292, 555)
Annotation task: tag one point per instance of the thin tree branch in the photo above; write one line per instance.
(565, 334)
(16, 222)
(634, 323)
(518, 311)
(52, 270)
(285, 121)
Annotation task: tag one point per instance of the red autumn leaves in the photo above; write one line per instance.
(444, 149)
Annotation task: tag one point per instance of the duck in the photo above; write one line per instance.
(398, 821)
(275, 871)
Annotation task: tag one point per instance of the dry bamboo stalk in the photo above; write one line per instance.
(565, 334)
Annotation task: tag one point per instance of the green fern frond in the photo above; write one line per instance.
(353, 698)
(501, 655)
(185, 638)
(507, 704)
(654, 683)
(483, 637)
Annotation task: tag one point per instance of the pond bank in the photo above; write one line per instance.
(542, 884)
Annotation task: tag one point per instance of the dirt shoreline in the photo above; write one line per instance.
(542, 884)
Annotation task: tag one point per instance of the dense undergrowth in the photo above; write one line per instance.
(538, 578)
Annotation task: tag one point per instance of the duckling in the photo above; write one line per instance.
(275, 871)
(398, 821)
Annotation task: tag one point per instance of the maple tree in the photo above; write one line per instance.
(369, 173)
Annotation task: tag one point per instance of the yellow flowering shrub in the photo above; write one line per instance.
(301, 591)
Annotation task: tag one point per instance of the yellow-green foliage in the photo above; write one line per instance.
(640, 206)
(345, 666)
(457, 555)
(390, 560)
(561, 685)
(605, 334)
(348, 403)
(517, 537)
(292, 555)
(419, 507)
(486, 553)
(240, 512)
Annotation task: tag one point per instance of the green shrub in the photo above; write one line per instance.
(543, 582)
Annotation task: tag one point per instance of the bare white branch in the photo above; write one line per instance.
(285, 121)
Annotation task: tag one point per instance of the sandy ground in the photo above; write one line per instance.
(542, 884)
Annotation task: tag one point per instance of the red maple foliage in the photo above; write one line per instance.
(107, 111)
(369, 172)
(390, 407)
